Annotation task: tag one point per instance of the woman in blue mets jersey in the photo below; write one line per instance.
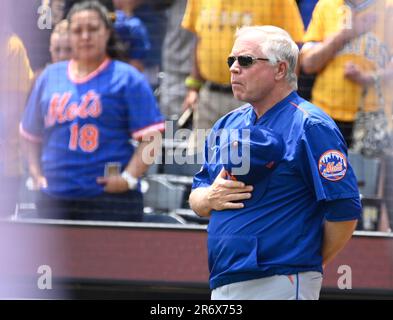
(79, 120)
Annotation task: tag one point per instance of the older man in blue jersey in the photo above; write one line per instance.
(274, 226)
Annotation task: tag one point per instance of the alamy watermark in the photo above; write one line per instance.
(45, 20)
(44, 281)
(344, 282)
(50, 13)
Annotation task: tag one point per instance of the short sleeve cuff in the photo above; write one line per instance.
(199, 184)
(343, 209)
(139, 134)
(28, 136)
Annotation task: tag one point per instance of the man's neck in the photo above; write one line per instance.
(278, 94)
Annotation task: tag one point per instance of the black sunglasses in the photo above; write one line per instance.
(244, 61)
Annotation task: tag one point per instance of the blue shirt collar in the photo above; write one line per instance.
(273, 110)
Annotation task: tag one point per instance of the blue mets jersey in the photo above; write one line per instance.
(84, 124)
(279, 230)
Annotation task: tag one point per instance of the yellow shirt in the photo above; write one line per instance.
(335, 94)
(215, 22)
(15, 81)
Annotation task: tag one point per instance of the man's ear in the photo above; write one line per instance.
(281, 70)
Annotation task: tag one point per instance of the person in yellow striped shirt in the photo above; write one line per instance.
(348, 45)
(15, 80)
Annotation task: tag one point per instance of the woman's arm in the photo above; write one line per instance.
(140, 161)
(34, 163)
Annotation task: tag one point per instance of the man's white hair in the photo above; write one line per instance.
(277, 45)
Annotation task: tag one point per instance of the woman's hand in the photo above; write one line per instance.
(39, 182)
(113, 184)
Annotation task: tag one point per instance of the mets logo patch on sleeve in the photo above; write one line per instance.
(332, 165)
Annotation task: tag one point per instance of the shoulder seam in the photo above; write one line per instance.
(244, 106)
(300, 108)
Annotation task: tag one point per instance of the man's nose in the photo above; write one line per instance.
(235, 68)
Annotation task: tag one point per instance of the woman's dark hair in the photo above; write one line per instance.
(114, 48)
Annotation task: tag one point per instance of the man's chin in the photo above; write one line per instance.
(235, 93)
(238, 96)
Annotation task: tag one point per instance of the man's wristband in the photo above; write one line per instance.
(131, 181)
(193, 83)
